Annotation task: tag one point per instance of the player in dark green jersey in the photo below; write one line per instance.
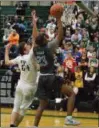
(48, 80)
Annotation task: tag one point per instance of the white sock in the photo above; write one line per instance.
(69, 117)
(35, 127)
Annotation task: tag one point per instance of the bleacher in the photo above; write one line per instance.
(6, 12)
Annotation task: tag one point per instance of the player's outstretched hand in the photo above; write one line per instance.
(34, 17)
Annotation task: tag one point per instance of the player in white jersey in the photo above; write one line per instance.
(26, 87)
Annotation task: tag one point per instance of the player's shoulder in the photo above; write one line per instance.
(23, 57)
(18, 57)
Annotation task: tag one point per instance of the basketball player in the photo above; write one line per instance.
(48, 81)
(26, 87)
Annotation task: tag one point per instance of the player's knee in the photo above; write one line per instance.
(16, 109)
(66, 90)
(22, 112)
(41, 108)
(72, 93)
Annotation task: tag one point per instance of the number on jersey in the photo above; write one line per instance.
(42, 60)
(24, 66)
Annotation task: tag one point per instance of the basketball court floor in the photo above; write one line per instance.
(52, 119)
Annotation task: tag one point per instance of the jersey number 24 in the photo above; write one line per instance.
(24, 66)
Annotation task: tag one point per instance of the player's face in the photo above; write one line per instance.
(27, 49)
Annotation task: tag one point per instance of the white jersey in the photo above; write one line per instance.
(27, 66)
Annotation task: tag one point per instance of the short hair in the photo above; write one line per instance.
(40, 39)
(21, 47)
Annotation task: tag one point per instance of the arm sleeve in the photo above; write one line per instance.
(31, 54)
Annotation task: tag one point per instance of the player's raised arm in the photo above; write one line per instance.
(56, 11)
(7, 59)
(60, 29)
(34, 22)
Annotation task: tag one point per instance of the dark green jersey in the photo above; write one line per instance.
(45, 58)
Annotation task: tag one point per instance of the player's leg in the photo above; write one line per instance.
(43, 104)
(43, 93)
(16, 109)
(67, 90)
(28, 96)
(20, 118)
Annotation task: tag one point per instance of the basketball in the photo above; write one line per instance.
(56, 10)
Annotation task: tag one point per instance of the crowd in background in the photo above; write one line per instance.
(77, 57)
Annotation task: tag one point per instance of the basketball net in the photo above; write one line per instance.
(68, 9)
(67, 14)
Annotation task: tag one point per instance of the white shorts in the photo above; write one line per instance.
(24, 96)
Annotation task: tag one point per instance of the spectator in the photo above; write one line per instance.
(7, 32)
(96, 9)
(83, 62)
(96, 43)
(86, 24)
(91, 52)
(51, 25)
(5, 39)
(80, 18)
(14, 20)
(64, 51)
(69, 62)
(14, 38)
(78, 79)
(8, 29)
(93, 28)
(94, 62)
(70, 46)
(85, 37)
(82, 49)
(76, 54)
(51, 34)
(78, 85)
(76, 37)
(20, 8)
(90, 78)
(67, 36)
(74, 23)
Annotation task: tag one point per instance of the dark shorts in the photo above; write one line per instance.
(48, 84)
